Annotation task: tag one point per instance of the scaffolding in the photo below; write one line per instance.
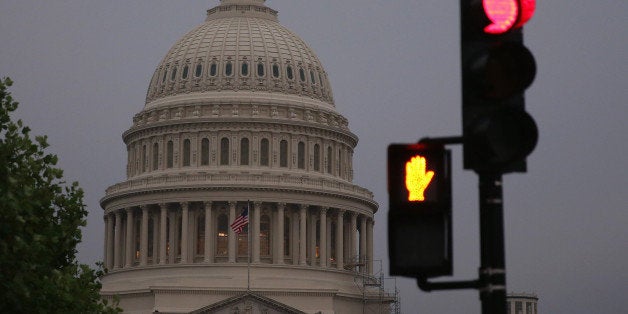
(377, 296)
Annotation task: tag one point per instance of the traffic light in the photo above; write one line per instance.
(419, 215)
(496, 69)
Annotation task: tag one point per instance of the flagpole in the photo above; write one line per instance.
(248, 259)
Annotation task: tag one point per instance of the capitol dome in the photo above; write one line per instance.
(240, 124)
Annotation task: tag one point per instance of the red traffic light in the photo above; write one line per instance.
(506, 15)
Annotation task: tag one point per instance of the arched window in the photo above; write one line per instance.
(260, 69)
(155, 156)
(186, 153)
(317, 157)
(229, 68)
(340, 163)
(186, 69)
(289, 73)
(143, 158)
(286, 236)
(312, 78)
(205, 152)
(213, 69)
(170, 154)
(329, 160)
(200, 234)
(199, 70)
(264, 236)
(283, 153)
(245, 69)
(173, 74)
(301, 155)
(224, 151)
(302, 74)
(222, 235)
(163, 78)
(244, 151)
(275, 70)
(264, 159)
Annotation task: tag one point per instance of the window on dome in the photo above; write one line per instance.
(244, 151)
(222, 235)
(275, 70)
(260, 69)
(199, 70)
(204, 152)
(340, 163)
(320, 79)
(301, 155)
(186, 69)
(163, 78)
(332, 241)
(229, 68)
(329, 160)
(169, 153)
(151, 242)
(173, 74)
(312, 78)
(302, 75)
(264, 235)
(243, 238)
(186, 153)
(155, 156)
(264, 152)
(224, 151)
(144, 160)
(283, 153)
(213, 69)
(317, 157)
(289, 73)
(245, 68)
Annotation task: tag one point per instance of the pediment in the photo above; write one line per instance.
(248, 303)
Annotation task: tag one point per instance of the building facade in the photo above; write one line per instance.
(240, 116)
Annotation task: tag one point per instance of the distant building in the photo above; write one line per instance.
(522, 303)
(240, 119)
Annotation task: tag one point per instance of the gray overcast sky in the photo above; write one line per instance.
(81, 69)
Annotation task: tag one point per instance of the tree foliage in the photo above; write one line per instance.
(40, 220)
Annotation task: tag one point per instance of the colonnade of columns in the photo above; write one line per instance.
(199, 232)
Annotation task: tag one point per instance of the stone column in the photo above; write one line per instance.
(279, 243)
(302, 234)
(109, 242)
(369, 246)
(363, 258)
(312, 238)
(144, 237)
(209, 249)
(185, 224)
(353, 248)
(340, 240)
(232, 235)
(255, 237)
(117, 245)
(322, 242)
(163, 229)
(155, 239)
(130, 256)
(172, 237)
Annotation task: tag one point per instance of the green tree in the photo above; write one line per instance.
(40, 220)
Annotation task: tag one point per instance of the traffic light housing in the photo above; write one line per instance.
(498, 133)
(419, 215)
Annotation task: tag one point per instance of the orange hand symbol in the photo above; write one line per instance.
(417, 179)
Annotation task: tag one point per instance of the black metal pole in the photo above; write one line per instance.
(492, 264)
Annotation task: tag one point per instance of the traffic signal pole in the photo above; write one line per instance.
(492, 283)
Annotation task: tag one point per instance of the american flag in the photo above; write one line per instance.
(239, 223)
